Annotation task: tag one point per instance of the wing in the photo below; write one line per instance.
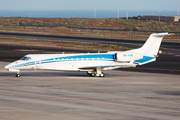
(107, 67)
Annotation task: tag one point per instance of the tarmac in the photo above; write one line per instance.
(62, 95)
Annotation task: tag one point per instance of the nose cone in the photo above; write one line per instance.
(7, 66)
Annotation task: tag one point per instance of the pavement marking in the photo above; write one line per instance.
(92, 101)
(85, 96)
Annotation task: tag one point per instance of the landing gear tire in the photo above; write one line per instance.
(96, 74)
(92, 75)
(101, 75)
(18, 75)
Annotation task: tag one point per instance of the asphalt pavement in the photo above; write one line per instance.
(62, 95)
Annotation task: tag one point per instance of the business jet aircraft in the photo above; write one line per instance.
(92, 63)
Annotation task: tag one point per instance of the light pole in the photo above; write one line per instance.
(72, 13)
(118, 13)
(178, 11)
(159, 16)
(94, 13)
(126, 14)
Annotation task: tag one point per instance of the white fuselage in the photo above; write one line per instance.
(70, 62)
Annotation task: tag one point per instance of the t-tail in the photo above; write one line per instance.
(150, 49)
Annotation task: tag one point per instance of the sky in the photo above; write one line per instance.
(139, 5)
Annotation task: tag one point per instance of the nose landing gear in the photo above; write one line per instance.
(18, 74)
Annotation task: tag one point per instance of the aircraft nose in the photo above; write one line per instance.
(7, 66)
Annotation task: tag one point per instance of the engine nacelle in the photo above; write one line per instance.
(127, 57)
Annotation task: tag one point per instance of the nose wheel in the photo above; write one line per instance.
(18, 75)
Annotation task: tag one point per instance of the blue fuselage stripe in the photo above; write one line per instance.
(88, 57)
(144, 59)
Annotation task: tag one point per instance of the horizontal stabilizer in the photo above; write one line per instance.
(160, 34)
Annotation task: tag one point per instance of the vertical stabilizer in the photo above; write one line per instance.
(152, 44)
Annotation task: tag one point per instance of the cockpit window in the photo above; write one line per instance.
(26, 58)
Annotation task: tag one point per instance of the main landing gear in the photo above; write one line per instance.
(96, 73)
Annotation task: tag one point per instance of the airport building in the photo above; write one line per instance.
(162, 18)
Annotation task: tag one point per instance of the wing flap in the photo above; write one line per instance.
(102, 67)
